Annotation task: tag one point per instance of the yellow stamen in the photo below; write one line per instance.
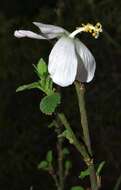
(94, 30)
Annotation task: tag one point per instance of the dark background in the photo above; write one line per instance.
(24, 135)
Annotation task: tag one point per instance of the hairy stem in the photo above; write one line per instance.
(84, 124)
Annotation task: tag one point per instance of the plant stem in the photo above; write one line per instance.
(60, 161)
(79, 146)
(80, 94)
(54, 176)
(84, 124)
(60, 156)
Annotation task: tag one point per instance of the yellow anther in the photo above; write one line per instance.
(94, 30)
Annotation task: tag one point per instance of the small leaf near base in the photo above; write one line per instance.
(49, 103)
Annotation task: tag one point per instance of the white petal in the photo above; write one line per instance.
(50, 31)
(63, 62)
(87, 64)
(28, 34)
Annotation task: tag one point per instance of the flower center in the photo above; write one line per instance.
(94, 30)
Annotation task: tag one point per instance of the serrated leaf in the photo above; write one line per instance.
(49, 156)
(68, 164)
(77, 188)
(49, 103)
(84, 173)
(28, 86)
(43, 165)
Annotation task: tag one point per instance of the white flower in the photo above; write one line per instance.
(69, 59)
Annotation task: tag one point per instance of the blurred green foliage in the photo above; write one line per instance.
(24, 136)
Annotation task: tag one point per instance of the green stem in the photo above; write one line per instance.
(79, 146)
(80, 94)
(84, 124)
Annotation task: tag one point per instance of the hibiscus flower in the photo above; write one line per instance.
(69, 59)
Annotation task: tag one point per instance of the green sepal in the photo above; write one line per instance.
(77, 188)
(49, 103)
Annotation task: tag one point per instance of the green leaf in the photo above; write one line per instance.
(84, 173)
(52, 124)
(41, 68)
(68, 164)
(68, 135)
(77, 188)
(66, 151)
(100, 167)
(28, 86)
(49, 103)
(118, 183)
(43, 165)
(49, 85)
(49, 156)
